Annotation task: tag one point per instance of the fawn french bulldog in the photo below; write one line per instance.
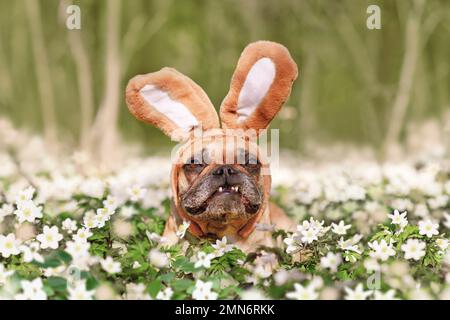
(220, 179)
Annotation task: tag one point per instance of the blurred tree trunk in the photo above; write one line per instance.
(403, 95)
(84, 76)
(104, 133)
(307, 100)
(44, 78)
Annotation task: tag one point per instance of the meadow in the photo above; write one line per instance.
(72, 230)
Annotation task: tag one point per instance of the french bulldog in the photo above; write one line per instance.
(220, 177)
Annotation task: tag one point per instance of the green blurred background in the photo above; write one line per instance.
(355, 85)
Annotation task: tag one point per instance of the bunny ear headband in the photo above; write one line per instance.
(175, 104)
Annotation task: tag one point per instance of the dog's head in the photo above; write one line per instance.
(220, 179)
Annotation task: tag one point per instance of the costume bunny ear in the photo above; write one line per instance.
(260, 85)
(170, 101)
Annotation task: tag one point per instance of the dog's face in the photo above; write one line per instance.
(222, 190)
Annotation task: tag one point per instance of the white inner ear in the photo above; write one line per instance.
(256, 85)
(177, 112)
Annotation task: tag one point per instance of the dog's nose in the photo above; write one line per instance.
(224, 171)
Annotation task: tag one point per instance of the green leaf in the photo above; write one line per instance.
(182, 285)
(154, 287)
(183, 264)
(55, 259)
(343, 275)
(57, 283)
(167, 277)
(64, 256)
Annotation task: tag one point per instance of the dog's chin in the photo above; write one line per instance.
(224, 207)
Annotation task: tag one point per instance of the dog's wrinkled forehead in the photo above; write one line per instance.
(220, 149)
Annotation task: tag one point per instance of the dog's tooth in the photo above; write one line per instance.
(237, 189)
(220, 189)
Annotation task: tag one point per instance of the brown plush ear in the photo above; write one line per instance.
(260, 85)
(170, 101)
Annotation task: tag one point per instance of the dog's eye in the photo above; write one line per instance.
(252, 165)
(253, 168)
(194, 166)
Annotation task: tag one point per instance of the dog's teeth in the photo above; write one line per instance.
(220, 189)
(237, 189)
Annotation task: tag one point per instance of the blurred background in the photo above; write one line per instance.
(361, 87)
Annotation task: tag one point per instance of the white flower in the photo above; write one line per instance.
(69, 225)
(111, 203)
(315, 225)
(331, 261)
(103, 215)
(136, 291)
(428, 228)
(357, 294)
(155, 237)
(82, 235)
(309, 235)
(399, 218)
(202, 291)
(9, 246)
(50, 237)
(28, 211)
(310, 231)
(90, 220)
(25, 195)
(165, 294)
(32, 290)
(55, 272)
(253, 294)
(4, 274)
(136, 193)
(110, 266)
(421, 210)
(222, 247)
(31, 252)
(136, 265)
(372, 265)
(414, 249)
(204, 259)
(262, 269)
(182, 228)
(78, 291)
(78, 249)
(438, 202)
(6, 210)
(355, 192)
(293, 245)
(381, 250)
(340, 228)
(158, 258)
(303, 292)
(442, 243)
(388, 295)
(93, 187)
(350, 244)
(402, 204)
(127, 212)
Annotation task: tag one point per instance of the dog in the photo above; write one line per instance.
(220, 179)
